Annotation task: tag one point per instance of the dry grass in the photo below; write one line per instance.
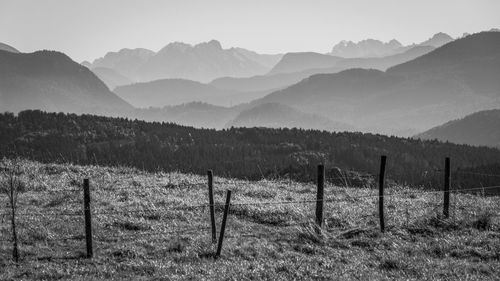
(278, 242)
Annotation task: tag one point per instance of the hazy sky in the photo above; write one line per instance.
(87, 29)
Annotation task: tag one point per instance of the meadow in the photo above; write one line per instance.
(157, 226)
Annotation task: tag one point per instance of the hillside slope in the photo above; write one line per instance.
(51, 81)
(480, 128)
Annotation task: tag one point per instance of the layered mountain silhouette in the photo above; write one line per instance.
(51, 81)
(126, 61)
(275, 115)
(296, 62)
(170, 92)
(312, 63)
(5, 47)
(202, 62)
(422, 87)
(366, 48)
(278, 81)
(480, 128)
(110, 77)
(456, 79)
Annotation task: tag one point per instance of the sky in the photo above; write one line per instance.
(86, 30)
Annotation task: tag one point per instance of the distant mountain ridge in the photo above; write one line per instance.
(365, 48)
(202, 62)
(376, 48)
(480, 128)
(312, 63)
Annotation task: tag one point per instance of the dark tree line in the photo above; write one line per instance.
(250, 153)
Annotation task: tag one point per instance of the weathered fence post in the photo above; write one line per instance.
(447, 183)
(223, 226)
(211, 203)
(88, 218)
(13, 203)
(381, 192)
(319, 195)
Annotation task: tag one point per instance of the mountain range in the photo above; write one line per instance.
(227, 91)
(202, 62)
(377, 48)
(421, 88)
(480, 128)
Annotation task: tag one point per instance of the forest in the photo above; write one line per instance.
(248, 153)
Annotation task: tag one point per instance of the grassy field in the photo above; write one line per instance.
(144, 228)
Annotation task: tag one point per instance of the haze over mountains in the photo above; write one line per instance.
(377, 48)
(276, 115)
(403, 94)
(294, 67)
(454, 80)
(202, 62)
(167, 92)
(110, 77)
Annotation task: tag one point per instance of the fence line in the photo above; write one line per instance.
(319, 206)
(187, 207)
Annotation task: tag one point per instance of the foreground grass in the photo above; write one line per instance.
(132, 209)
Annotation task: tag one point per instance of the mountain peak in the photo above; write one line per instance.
(178, 46)
(437, 40)
(212, 44)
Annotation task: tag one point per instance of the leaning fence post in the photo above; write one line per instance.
(211, 203)
(223, 226)
(319, 195)
(88, 218)
(447, 183)
(381, 192)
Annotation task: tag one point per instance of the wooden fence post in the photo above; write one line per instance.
(88, 218)
(211, 203)
(223, 226)
(381, 192)
(319, 195)
(447, 183)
